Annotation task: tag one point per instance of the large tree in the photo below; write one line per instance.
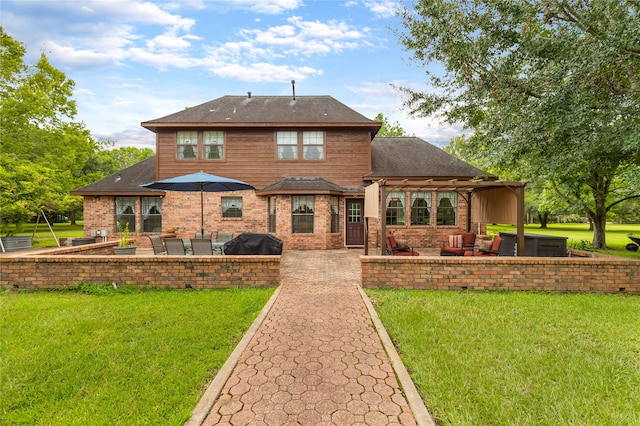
(43, 152)
(549, 87)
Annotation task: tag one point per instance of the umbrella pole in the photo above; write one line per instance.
(201, 212)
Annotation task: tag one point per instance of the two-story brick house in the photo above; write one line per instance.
(309, 158)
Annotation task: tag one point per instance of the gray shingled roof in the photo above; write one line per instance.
(256, 110)
(125, 182)
(412, 157)
(303, 184)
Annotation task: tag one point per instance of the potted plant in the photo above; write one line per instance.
(125, 246)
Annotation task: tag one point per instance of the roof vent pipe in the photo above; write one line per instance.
(293, 86)
(249, 95)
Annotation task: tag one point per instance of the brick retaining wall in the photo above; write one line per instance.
(52, 272)
(608, 275)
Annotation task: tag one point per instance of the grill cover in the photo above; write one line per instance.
(251, 243)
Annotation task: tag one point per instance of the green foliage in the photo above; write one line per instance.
(43, 150)
(133, 358)
(389, 129)
(551, 90)
(519, 358)
(580, 245)
(124, 234)
(112, 160)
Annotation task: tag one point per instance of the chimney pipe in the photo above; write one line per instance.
(249, 95)
(293, 86)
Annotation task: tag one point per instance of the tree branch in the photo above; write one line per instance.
(631, 197)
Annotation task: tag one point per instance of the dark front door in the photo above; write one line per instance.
(355, 222)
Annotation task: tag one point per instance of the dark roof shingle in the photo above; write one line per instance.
(267, 110)
(412, 157)
(303, 184)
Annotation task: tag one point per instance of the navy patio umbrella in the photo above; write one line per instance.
(201, 181)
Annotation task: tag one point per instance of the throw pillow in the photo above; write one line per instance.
(455, 241)
(486, 245)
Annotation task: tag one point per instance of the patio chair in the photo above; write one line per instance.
(175, 246)
(492, 250)
(157, 244)
(221, 238)
(395, 249)
(201, 247)
(459, 244)
(207, 235)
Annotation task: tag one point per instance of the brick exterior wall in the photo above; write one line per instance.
(53, 272)
(432, 235)
(567, 274)
(181, 214)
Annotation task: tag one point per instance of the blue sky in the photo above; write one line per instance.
(134, 61)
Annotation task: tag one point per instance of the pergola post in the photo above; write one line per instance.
(519, 191)
(383, 219)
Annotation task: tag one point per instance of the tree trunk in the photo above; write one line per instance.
(72, 217)
(543, 218)
(598, 219)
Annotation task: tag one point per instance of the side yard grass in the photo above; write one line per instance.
(119, 357)
(518, 358)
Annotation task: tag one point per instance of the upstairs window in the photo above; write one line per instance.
(313, 145)
(213, 145)
(287, 145)
(187, 146)
(231, 207)
(447, 208)
(293, 145)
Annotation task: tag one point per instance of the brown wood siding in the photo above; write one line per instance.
(250, 155)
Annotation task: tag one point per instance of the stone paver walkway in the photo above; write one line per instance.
(316, 359)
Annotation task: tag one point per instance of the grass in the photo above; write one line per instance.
(579, 235)
(118, 357)
(516, 358)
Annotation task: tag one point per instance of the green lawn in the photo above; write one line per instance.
(125, 357)
(579, 236)
(43, 237)
(518, 358)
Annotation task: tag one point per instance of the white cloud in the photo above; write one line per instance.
(165, 42)
(255, 57)
(83, 58)
(262, 72)
(271, 7)
(383, 8)
(162, 60)
(309, 37)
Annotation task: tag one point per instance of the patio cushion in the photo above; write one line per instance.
(455, 241)
(486, 244)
